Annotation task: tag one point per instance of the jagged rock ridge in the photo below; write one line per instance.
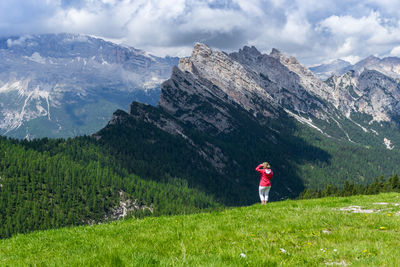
(260, 84)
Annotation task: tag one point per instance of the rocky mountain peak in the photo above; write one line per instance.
(371, 58)
(339, 61)
(306, 78)
(224, 73)
(250, 52)
(390, 66)
(366, 63)
(275, 53)
(201, 49)
(326, 70)
(209, 80)
(283, 58)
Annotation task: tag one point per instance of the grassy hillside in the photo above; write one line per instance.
(295, 233)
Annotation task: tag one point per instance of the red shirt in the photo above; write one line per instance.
(266, 176)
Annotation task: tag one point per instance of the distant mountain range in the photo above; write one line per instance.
(326, 70)
(390, 66)
(63, 85)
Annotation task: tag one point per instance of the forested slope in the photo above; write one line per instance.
(54, 183)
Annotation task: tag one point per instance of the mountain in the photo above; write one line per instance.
(215, 121)
(221, 114)
(364, 99)
(325, 71)
(371, 93)
(389, 66)
(63, 85)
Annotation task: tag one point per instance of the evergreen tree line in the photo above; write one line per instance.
(379, 185)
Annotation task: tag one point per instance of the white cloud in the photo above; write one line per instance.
(373, 27)
(347, 47)
(360, 36)
(352, 59)
(19, 41)
(395, 51)
(348, 25)
(296, 29)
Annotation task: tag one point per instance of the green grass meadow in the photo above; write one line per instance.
(288, 233)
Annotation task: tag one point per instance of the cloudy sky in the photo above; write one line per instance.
(314, 31)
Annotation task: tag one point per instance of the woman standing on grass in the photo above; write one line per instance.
(265, 182)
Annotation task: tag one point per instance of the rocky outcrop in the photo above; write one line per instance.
(126, 207)
(224, 74)
(195, 101)
(371, 93)
(344, 91)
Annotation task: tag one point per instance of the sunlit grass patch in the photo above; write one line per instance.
(289, 233)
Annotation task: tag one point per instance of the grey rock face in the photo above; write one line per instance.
(225, 73)
(305, 78)
(194, 102)
(202, 85)
(290, 85)
(371, 93)
(205, 86)
(61, 85)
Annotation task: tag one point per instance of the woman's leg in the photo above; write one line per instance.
(265, 193)
(261, 193)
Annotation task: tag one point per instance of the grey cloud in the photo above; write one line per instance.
(225, 40)
(304, 28)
